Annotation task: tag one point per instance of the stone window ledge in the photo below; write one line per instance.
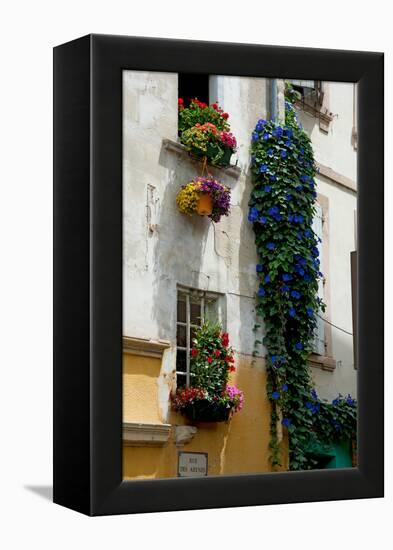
(145, 347)
(322, 362)
(175, 147)
(140, 434)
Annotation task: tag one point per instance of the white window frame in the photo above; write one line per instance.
(204, 298)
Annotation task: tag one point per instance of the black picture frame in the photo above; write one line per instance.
(88, 274)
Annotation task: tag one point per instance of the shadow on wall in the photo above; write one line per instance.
(179, 245)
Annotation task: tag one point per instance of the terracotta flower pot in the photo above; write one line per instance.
(205, 204)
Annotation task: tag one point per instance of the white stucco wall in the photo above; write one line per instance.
(177, 248)
(335, 150)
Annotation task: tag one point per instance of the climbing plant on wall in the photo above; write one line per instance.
(282, 210)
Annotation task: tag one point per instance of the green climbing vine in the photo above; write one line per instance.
(282, 210)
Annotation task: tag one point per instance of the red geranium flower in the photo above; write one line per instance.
(180, 101)
(232, 368)
(209, 359)
(215, 106)
(194, 352)
(225, 115)
(217, 353)
(225, 339)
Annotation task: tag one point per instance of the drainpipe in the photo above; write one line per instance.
(273, 99)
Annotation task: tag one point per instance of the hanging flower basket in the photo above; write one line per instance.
(204, 196)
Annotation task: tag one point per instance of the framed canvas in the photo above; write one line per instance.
(218, 275)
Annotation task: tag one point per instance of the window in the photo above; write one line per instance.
(193, 307)
(319, 345)
(314, 100)
(194, 85)
(306, 88)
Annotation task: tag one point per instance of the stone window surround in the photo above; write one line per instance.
(325, 362)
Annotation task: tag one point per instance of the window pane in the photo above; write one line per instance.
(193, 334)
(181, 380)
(181, 361)
(181, 336)
(195, 313)
(181, 310)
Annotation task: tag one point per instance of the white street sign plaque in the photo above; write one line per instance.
(192, 464)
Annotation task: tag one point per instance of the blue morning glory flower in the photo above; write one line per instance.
(295, 294)
(304, 177)
(285, 288)
(335, 402)
(284, 387)
(298, 218)
(261, 291)
(267, 279)
(301, 150)
(309, 405)
(253, 215)
(287, 277)
(286, 422)
(288, 143)
(272, 178)
(299, 345)
(308, 233)
(263, 219)
(291, 218)
(263, 168)
(310, 312)
(307, 277)
(273, 210)
(277, 132)
(292, 312)
(314, 394)
(299, 187)
(267, 188)
(259, 268)
(275, 395)
(299, 236)
(266, 136)
(270, 246)
(283, 154)
(270, 152)
(260, 124)
(255, 136)
(288, 197)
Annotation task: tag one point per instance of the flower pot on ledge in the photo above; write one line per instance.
(219, 156)
(203, 410)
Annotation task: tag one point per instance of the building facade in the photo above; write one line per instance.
(178, 269)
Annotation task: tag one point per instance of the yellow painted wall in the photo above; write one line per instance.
(234, 447)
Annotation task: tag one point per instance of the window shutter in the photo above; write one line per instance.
(319, 334)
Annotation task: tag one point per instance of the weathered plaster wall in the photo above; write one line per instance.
(335, 150)
(341, 236)
(221, 258)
